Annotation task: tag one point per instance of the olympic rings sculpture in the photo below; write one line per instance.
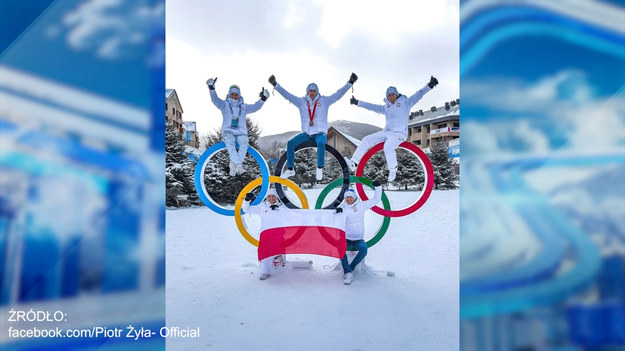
(333, 152)
(199, 178)
(266, 179)
(249, 187)
(366, 181)
(427, 188)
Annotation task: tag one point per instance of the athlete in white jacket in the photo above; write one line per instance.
(267, 207)
(397, 110)
(234, 126)
(355, 226)
(313, 109)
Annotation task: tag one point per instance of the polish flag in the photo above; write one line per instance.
(288, 231)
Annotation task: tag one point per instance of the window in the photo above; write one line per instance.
(418, 129)
(410, 132)
(456, 125)
(418, 142)
(166, 107)
(428, 129)
(174, 109)
(441, 125)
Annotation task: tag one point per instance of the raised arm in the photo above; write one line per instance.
(339, 94)
(290, 97)
(414, 98)
(255, 107)
(411, 101)
(376, 197)
(216, 100)
(370, 107)
(250, 209)
(249, 197)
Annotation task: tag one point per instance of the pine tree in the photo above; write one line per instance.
(409, 171)
(331, 170)
(444, 167)
(305, 168)
(179, 169)
(376, 168)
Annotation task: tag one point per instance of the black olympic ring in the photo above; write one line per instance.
(333, 152)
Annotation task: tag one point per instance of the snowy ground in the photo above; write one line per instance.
(212, 283)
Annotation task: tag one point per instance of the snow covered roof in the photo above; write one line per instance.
(352, 139)
(168, 93)
(431, 117)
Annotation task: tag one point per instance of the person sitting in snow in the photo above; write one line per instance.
(271, 203)
(355, 227)
(397, 110)
(313, 110)
(234, 126)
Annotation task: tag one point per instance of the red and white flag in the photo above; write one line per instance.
(287, 231)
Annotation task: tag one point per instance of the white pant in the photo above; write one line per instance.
(266, 265)
(231, 140)
(391, 142)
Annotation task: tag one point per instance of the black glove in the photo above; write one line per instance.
(272, 80)
(249, 197)
(262, 94)
(338, 209)
(376, 183)
(433, 82)
(273, 207)
(353, 78)
(353, 100)
(211, 83)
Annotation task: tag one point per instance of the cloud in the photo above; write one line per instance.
(113, 29)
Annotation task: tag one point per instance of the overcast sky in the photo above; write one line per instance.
(400, 43)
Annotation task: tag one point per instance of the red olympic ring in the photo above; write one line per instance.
(427, 189)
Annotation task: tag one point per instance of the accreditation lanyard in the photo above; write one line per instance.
(234, 122)
(311, 115)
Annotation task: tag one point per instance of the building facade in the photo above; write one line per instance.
(190, 134)
(342, 142)
(173, 111)
(438, 124)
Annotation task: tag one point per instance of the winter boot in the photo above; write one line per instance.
(240, 169)
(349, 277)
(391, 174)
(351, 163)
(233, 169)
(319, 174)
(288, 173)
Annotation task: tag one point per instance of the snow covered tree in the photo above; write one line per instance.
(409, 171)
(222, 187)
(179, 169)
(305, 167)
(444, 167)
(331, 170)
(376, 168)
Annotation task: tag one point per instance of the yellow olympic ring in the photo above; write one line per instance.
(251, 185)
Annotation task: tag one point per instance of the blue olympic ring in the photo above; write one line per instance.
(199, 177)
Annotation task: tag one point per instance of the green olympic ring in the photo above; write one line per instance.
(366, 181)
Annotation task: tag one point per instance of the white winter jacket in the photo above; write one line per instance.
(355, 215)
(397, 114)
(230, 109)
(320, 119)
